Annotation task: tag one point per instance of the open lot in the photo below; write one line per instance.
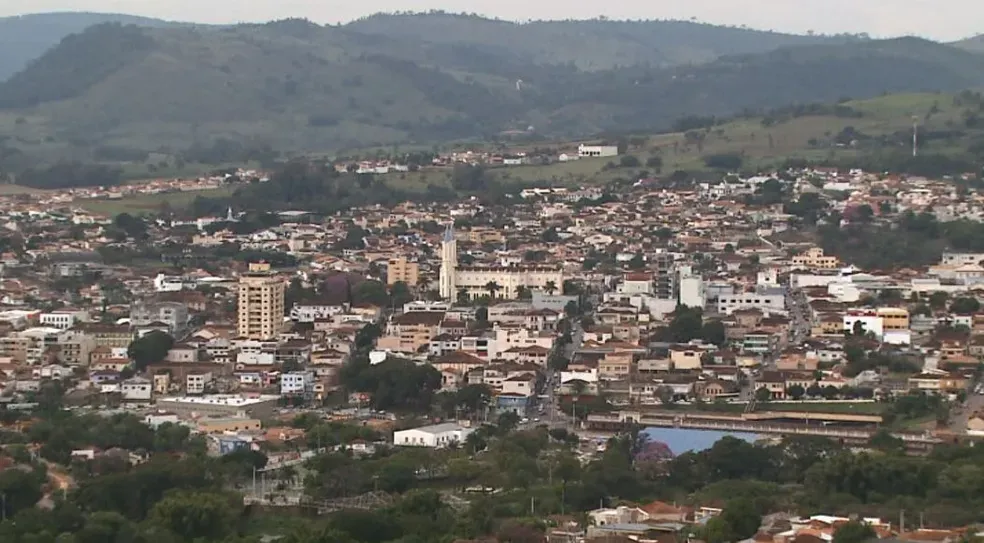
(151, 203)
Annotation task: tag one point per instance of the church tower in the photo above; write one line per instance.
(449, 264)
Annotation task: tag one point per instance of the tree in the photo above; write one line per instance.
(194, 515)
(394, 383)
(370, 292)
(717, 530)
(854, 531)
(493, 288)
(507, 422)
(400, 294)
(687, 324)
(482, 315)
(883, 440)
(858, 329)
(937, 300)
(743, 517)
(724, 161)
(473, 398)
(21, 490)
(550, 287)
(965, 306)
(655, 163)
(134, 228)
(713, 332)
(523, 292)
(665, 395)
(150, 349)
(763, 395)
(796, 392)
(629, 161)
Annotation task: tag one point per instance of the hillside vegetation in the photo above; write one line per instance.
(975, 44)
(163, 97)
(27, 37)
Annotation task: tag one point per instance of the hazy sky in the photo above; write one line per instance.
(938, 19)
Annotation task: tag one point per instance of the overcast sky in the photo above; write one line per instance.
(938, 19)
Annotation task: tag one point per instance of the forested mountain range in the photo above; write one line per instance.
(27, 37)
(118, 91)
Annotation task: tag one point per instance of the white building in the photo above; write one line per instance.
(312, 312)
(63, 319)
(475, 280)
(172, 283)
(636, 283)
(435, 436)
(961, 259)
(591, 151)
(769, 300)
(136, 389)
(195, 382)
(692, 291)
(297, 383)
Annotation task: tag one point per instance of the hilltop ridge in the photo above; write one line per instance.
(220, 93)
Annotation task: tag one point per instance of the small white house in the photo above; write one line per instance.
(136, 389)
(435, 436)
(586, 151)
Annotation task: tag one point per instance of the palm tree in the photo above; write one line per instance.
(493, 288)
(550, 287)
(463, 298)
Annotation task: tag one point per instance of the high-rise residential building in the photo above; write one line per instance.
(664, 280)
(402, 270)
(261, 303)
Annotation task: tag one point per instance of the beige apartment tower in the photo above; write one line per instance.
(261, 303)
(400, 269)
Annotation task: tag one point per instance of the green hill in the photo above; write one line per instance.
(588, 45)
(221, 94)
(974, 44)
(27, 37)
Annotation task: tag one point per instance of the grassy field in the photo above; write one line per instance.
(151, 203)
(858, 408)
(762, 147)
(7, 190)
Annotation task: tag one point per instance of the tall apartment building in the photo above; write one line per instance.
(664, 280)
(261, 303)
(400, 269)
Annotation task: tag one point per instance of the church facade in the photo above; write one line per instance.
(476, 281)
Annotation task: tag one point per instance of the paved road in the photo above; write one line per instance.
(961, 413)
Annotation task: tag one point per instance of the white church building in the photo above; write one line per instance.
(475, 280)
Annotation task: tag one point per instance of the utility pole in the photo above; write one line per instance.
(574, 412)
